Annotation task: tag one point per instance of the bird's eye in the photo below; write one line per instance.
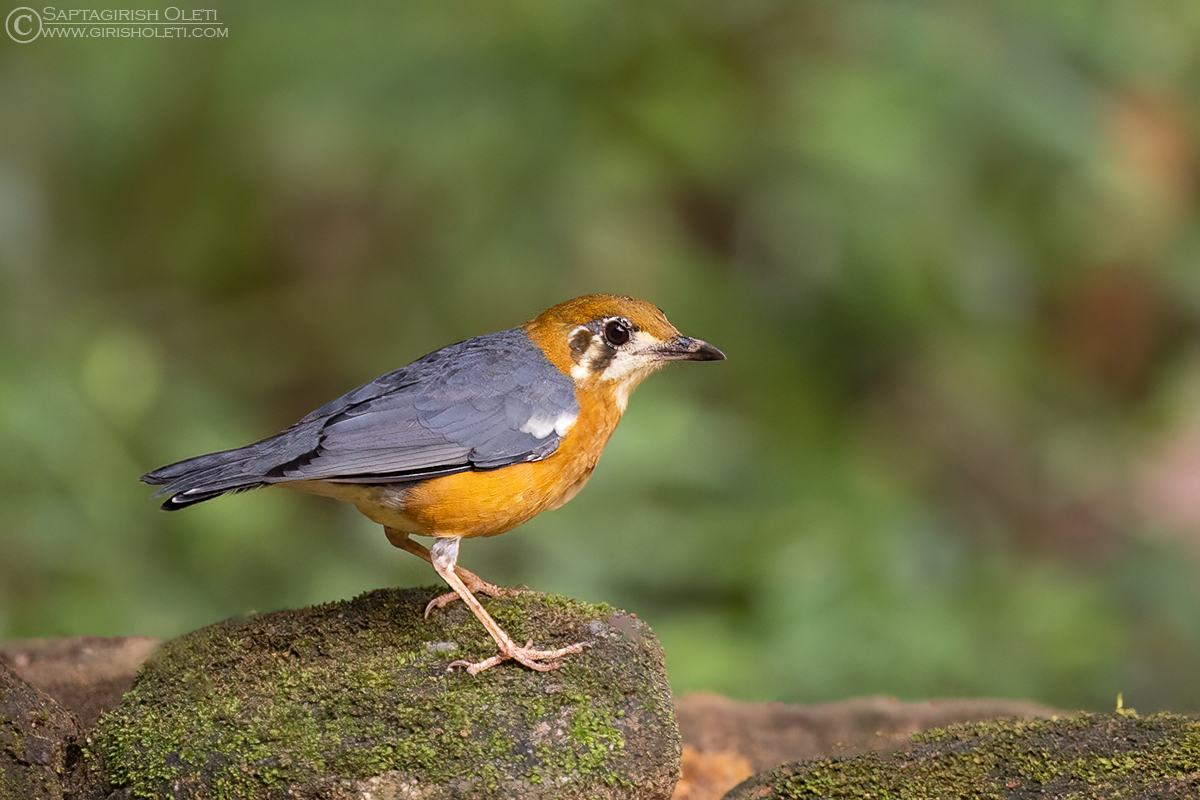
(616, 332)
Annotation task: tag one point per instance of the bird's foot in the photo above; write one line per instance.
(477, 586)
(540, 660)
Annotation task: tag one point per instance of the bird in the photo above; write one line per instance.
(470, 440)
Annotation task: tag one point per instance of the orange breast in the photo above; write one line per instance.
(489, 502)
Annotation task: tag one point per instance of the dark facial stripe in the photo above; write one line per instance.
(588, 346)
(579, 342)
(603, 355)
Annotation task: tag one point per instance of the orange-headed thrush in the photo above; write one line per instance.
(471, 440)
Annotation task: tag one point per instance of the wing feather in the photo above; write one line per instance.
(480, 404)
(466, 406)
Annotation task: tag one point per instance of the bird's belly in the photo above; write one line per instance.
(470, 504)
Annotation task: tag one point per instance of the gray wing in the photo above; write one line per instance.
(484, 403)
(479, 404)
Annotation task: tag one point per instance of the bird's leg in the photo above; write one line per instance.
(474, 583)
(443, 557)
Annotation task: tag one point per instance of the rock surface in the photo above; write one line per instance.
(352, 698)
(58, 682)
(726, 741)
(39, 748)
(768, 734)
(1083, 755)
(85, 675)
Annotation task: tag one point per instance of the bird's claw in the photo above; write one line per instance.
(540, 660)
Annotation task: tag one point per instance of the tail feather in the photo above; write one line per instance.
(201, 478)
(195, 480)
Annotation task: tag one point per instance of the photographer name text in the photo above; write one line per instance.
(51, 15)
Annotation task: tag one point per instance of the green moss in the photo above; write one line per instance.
(1086, 755)
(357, 689)
(593, 730)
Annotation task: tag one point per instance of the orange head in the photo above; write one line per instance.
(609, 342)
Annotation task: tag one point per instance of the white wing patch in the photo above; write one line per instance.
(540, 426)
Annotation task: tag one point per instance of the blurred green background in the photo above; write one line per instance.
(951, 249)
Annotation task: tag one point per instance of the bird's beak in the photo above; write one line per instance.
(685, 348)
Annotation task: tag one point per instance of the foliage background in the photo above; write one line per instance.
(951, 250)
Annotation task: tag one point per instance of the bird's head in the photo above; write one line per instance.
(609, 342)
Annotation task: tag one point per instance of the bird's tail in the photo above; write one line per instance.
(195, 480)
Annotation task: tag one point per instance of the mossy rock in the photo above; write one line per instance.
(38, 750)
(1081, 756)
(355, 697)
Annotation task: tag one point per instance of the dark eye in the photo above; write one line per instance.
(616, 332)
